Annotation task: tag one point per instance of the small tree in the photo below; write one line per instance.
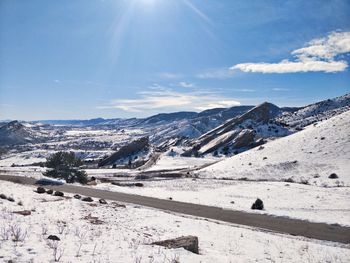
(64, 166)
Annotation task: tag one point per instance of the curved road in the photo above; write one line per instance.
(283, 225)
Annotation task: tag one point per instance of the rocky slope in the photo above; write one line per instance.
(14, 133)
(317, 155)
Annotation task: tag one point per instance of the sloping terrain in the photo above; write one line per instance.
(91, 232)
(316, 112)
(309, 156)
(242, 132)
(13, 133)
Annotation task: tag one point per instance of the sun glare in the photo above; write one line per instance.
(148, 2)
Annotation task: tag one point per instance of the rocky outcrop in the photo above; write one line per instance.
(189, 243)
(241, 132)
(125, 151)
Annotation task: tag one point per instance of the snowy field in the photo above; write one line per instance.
(169, 162)
(312, 203)
(92, 232)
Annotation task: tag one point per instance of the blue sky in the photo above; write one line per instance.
(74, 59)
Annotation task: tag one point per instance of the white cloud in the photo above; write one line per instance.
(167, 100)
(318, 55)
(186, 84)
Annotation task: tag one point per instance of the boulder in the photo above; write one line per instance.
(189, 243)
(333, 176)
(58, 193)
(10, 199)
(23, 213)
(258, 204)
(54, 238)
(50, 191)
(40, 190)
(139, 184)
(77, 196)
(102, 201)
(87, 199)
(2, 196)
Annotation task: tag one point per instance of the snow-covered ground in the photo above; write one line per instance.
(312, 203)
(308, 156)
(167, 162)
(124, 234)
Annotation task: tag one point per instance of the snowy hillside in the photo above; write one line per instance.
(316, 112)
(309, 156)
(13, 133)
(242, 132)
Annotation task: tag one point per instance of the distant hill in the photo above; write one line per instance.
(14, 133)
(309, 156)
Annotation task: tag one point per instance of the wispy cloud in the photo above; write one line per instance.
(216, 73)
(166, 99)
(280, 89)
(185, 84)
(318, 55)
(170, 75)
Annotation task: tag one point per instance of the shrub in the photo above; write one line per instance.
(258, 204)
(64, 166)
(333, 176)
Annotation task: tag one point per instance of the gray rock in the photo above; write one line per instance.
(54, 238)
(258, 204)
(102, 201)
(40, 190)
(58, 193)
(189, 243)
(87, 199)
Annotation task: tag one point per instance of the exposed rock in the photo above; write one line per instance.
(102, 201)
(58, 193)
(23, 213)
(87, 199)
(139, 184)
(2, 196)
(50, 191)
(40, 190)
(77, 196)
(93, 219)
(115, 204)
(126, 151)
(54, 238)
(189, 243)
(258, 204)
(333, 176)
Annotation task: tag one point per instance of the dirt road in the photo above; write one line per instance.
(284, 225)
